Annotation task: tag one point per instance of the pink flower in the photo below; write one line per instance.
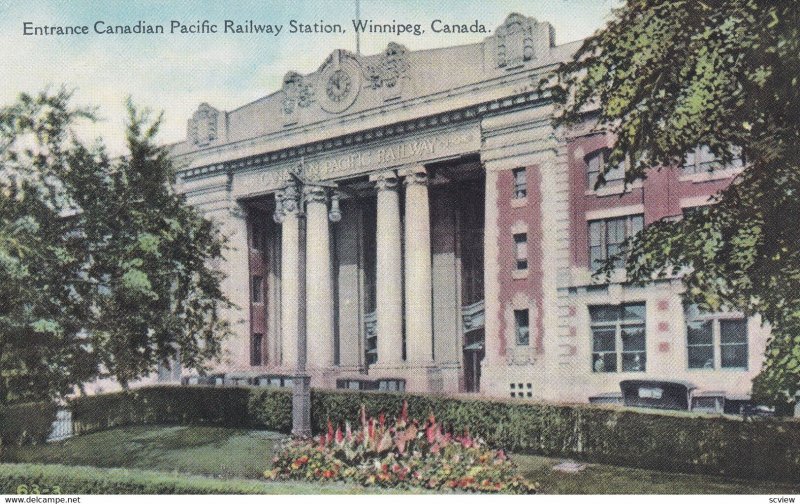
(404, 412)
(339, 436)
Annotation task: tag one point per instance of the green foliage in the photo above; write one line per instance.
(105, 269)
(58, 479)
(767, 449)
(401, 454)
(666, 76)
(226, 407)
(25, 423)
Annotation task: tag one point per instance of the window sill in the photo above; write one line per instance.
(519, 274)
(519, 202)
(613, 190)
(710, 176)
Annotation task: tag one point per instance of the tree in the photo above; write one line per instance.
(665, 76)
(105, 270)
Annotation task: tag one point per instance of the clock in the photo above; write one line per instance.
(340, 82)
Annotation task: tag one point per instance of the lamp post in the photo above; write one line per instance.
(301, 381)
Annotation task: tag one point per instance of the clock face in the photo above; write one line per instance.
(339, 85)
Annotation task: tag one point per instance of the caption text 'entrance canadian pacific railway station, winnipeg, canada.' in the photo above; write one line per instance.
(451, 233)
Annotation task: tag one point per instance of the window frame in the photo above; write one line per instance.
(520, 187)
(704, 161)
(520, 260)
(592, 176)
(518, 313)
(630, 230)
(618, 325)
(717, 320)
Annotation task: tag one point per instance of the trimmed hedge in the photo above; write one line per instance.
(767, 449)
(26, 423)
(28, 478)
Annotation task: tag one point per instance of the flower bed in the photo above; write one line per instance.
(405, 454)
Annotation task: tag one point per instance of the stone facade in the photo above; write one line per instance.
(439, 230)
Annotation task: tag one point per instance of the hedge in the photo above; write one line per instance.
(26, 423)
(767, 449)
(49, 479)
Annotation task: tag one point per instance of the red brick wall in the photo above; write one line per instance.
(530, 214)
(660, 194)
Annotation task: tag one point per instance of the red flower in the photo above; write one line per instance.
(381, 419)
(329, 437)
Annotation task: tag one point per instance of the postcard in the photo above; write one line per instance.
(399, 247)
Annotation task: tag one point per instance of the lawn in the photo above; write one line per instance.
(244, 455)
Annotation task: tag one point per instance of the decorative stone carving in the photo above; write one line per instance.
(515, 41)
(297, 92)
(289, 200)
(202, 129)
(391, 71)
(386, 181)
(339, 80)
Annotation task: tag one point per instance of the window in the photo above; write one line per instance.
(596, 162)
(715, 340)
(258, 288)
(521, 327)
(257, 236)
(520, 183)
(702, 160)
(607, 235)
(521, 251)
(618, 338)
(256, 349)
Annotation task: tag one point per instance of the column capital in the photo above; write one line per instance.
(415, 175)
(288, 201)
(385, 181)
(315, 194)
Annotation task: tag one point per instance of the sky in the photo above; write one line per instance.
(174, 73)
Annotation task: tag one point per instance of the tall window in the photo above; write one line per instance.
(257, 235)
(701, 160)
(607, 235)
(715, 341)
(596, 162)
(521, 251)
(258, 289)
(256, 349)
(520, 183)
(521, 326)
(618, 338)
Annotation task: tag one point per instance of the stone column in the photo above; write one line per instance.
(319, 284)
(418, 287)
(290, 274)
(389, 282)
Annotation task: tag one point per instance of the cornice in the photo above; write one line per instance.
(430, 122)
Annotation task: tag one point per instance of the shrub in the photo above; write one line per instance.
(767, 449)
(402, 455)
(58, 479)
(26, 423)
(226, 407)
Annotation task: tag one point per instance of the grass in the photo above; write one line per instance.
(208, 451)
(235, 454)
(608, 479)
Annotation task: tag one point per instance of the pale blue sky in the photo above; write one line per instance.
(175, 73)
